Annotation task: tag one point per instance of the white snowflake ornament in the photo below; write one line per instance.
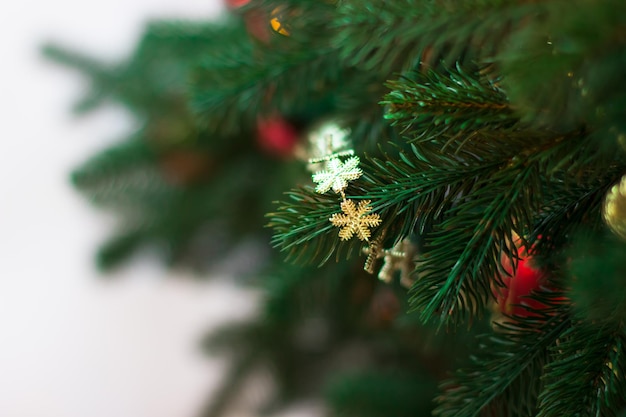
(337, 174)
(327, 139)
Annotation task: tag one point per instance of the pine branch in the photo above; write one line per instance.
(124, 177)
(241, 79)
(302, 227)
(570, 207)
(596, 274)
(177, 217)
(424, 31)
(560, 70)
(99, 74)
(477, 197)
(433, 103)
(477, 230)
(585, 376)
(119, 248)
(462, 257)
(504, 378)
(380, 394)
(156, 73)
(234, 91)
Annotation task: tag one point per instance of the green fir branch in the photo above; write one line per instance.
(461, 262)
(100, 75)
(119, 248)
(424, 31)
(462, 258)
(476, 207)
(585, 376)
(158, 70)
(476, 200)
(243, 79)
(236, 90)
(596, 274)
(560, 69)
(380, 394)
(395, 190)
(568, 209)
(303, 229)
(433, 103)
(504, 376)
(124, 177)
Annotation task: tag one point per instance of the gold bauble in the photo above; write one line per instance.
(277, 21)
(615, 208)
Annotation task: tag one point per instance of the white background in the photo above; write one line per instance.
(72, 343)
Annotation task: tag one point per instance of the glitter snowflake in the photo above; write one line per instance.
(337, 175)
(355, 220)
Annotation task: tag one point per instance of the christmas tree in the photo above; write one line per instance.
(446, 180)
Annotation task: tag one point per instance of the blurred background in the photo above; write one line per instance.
(75, 343)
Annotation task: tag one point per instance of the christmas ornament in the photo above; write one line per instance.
(234, 4)
(512, 298)
(337, 174)
(399, 258)
(256, 25)
(324, 139)
(356, 220)
(615, 208)
(277, 18)
(325, 142)
(277, 136)
(254, 17)
(374, 252)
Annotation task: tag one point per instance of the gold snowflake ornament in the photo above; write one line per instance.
(355, 220)
(337, 174)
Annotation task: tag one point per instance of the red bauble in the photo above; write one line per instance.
(277, 137)
(255, 19)
(257, 25)
(233, 4)
(514, 295)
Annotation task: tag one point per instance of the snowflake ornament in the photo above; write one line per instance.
(327, 140)
(355, 220)
(337, 174)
